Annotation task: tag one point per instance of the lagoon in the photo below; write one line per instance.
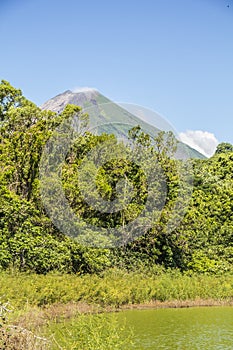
(204, 328)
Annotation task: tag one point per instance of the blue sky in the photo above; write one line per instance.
(173, 56)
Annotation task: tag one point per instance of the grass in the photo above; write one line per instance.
(90, 332)
(39, 300)
(113, 288)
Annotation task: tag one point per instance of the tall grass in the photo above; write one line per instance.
(90, 332)
(113, 288)
(38, 295)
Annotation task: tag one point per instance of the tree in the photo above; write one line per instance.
(9, 97)
(123, 175)
(224, 147)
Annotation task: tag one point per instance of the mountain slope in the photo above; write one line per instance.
(107, 116)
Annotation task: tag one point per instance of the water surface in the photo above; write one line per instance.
(204, 328)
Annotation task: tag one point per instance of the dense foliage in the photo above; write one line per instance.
(203, 241)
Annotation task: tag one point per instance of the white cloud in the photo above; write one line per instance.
(83, 89)
(203, 141)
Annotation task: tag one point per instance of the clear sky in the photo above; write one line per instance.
(173, 56)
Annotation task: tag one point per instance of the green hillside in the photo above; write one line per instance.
(107, 116)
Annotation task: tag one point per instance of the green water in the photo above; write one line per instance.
(193, 328)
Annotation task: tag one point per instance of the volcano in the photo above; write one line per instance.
(112, 118)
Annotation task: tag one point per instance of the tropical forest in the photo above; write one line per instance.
(180, 253)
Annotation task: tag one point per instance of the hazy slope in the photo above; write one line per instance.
(107, 116)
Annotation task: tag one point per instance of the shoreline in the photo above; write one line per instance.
(39, 317)
(34, 323)
(174, 304)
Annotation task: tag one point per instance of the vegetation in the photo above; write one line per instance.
(93, 332)
(113, 288)
(30, 242)
(43, 301)
(191, 260)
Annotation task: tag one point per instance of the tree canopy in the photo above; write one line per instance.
(224, 147)
(29, 240)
